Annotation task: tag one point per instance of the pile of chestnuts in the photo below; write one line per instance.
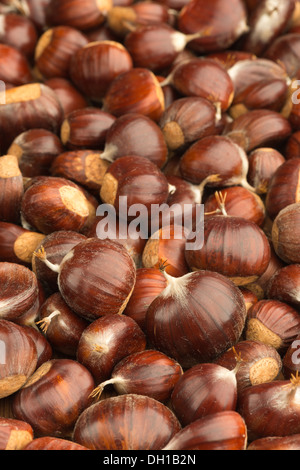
(130, 329)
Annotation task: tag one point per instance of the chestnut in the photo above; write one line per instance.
(14, 66)
(94, 66)
(56, 244)
(20, 32)
(204, 389)
(132, 180)
(285, 49)
(52, 203)
(225, 23)
(18, 244)
(19, 290)
(273, 322)
(148, 372)
(276, 443)
(102, 292)
(149, 283)
(69, 13)
(18, 357)
(223, 250)
(106, 341)
(63, 387)
(186, 320)
(15, 434)
(11, 189)
(205, 78)
(54, 51)
(60, 325)
(143, 94)
(271, 409)
(84, 167)
(86, 128)
(292, 146)
(30, 106)
(43, 347)
(186, 120)
(135, 134)
(107, 425)
(53, 443)
(225, 430)
(284, 285)
(255, 362)
(283, 187)
(240, 202)
(263, 163)
(36, 150)
(285, 234)
(68, 95)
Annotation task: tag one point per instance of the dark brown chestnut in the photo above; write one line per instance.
(18, 356)
(68, 95)
(15, 434)
(285, 234)
(106, 425)
(14, 66)
(36, 150)
(189, 323)
(284, 285)
(108, 340)
(18, 244)
(102, 292)
(11, 189)
(53, 443)
(64, 387)
(263, 163)
(20, 32)
(150, 373)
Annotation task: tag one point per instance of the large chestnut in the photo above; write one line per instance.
(89, 291)
(106, 341)
(63, 387)
(189, 322)
(107, 425)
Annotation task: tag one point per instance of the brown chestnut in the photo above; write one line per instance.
(14, 434)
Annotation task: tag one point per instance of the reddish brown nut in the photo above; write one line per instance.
(64, 387)
(285, 233)
(108, 340)
(57, 244)
(135, 134)
(138, 180)
(18, 357)
(254, 361)
(286, 50)
(14, 66)
(18, 244)
(156, 423)
(149, 283)
(284, 285)
(276, 443)
(263, 163)
(69, 13)
(292, 148)
(258, 128)
(14, 434)
(240, 202)
(43, 347)
(275, 18)
(18, 31)
(53, 443)
(187, 120)
(94, 66)
(119, 17)
(19, 290)
(35, 150)
(205, 78)
(102, 292)
(60, 325)
(273, 322)
(51, 203)
(150, 373)
(223, 23)
(84, 167)
(30, 106)
(167, 245)
(86, 128)
(11, 189)
(34, 10)
(225, 430)
(69, 97)
(283, 188)
(54, 51)
(223, 249)
(143, 94)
